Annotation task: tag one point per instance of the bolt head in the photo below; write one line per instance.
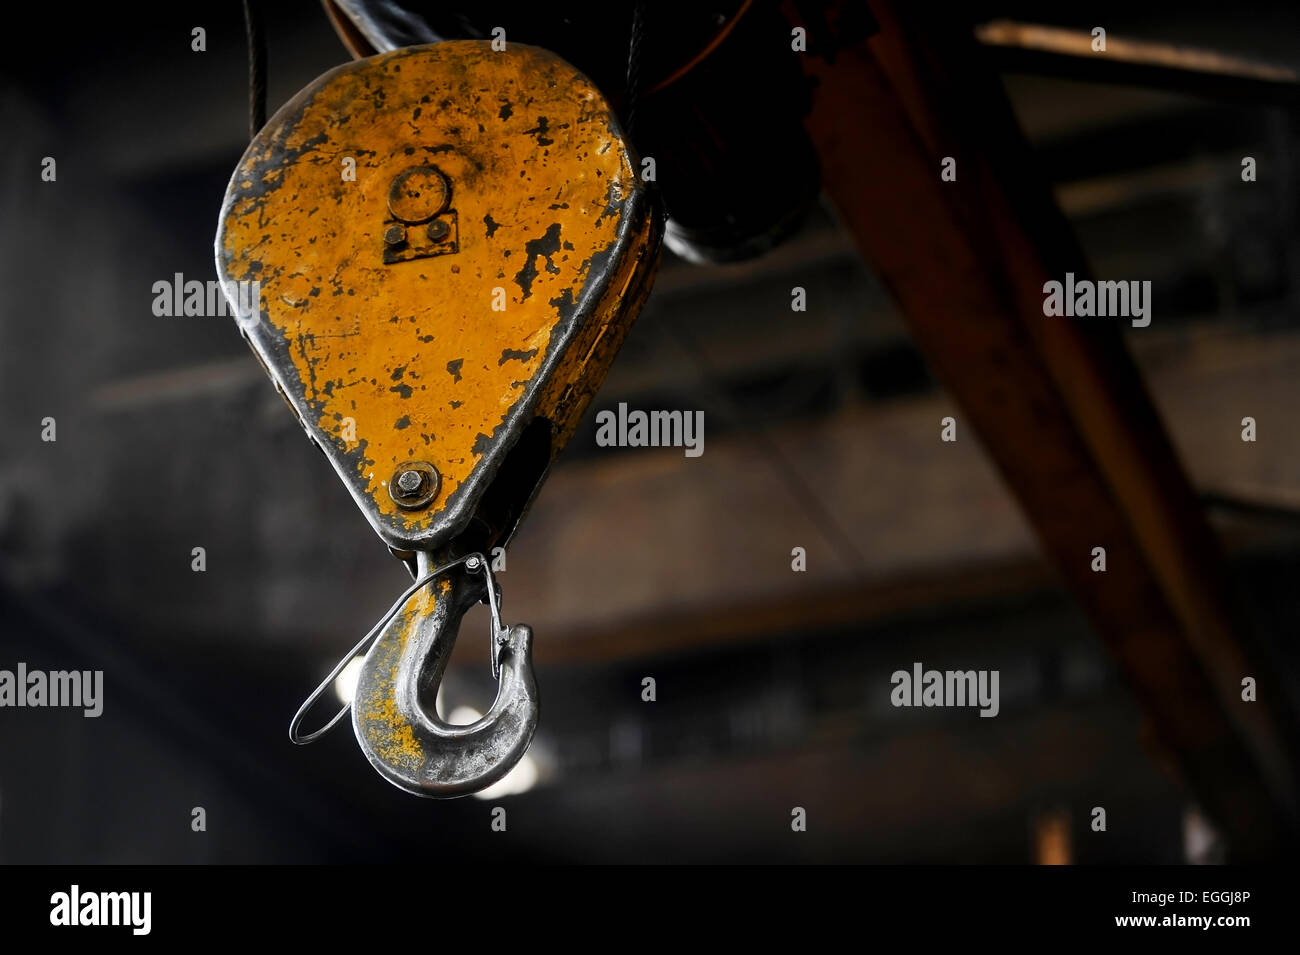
(395, 235)
(437, 230)
(414, 485)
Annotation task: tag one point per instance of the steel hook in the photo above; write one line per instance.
(394, 710)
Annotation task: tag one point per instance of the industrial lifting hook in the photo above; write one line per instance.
(394, 707)
(353, 244)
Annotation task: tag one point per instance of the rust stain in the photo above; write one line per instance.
(388, 729)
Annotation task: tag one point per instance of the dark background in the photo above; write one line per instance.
(821, 432)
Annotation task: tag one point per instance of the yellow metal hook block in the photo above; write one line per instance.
(450, 244)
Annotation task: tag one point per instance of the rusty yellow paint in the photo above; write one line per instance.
(509, 170)
(387, 727)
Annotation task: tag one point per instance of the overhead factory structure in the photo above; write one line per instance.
(872, 422)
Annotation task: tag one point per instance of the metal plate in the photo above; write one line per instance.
(478, 271)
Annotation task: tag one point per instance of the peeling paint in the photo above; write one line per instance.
(417, 341)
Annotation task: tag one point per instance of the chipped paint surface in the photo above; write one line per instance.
(537, 197)
(385, 723)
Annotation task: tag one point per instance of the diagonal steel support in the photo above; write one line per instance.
(1059, 405)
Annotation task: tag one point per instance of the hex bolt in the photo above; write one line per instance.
(414, 485)
(437, 230)
(395, 235)
(408, 482)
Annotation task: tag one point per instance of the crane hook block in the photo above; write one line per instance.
(436, 253)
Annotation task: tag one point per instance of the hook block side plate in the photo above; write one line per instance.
(446, 243)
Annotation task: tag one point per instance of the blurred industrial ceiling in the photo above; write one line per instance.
(822, 433)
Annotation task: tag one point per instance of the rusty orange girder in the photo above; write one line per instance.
(1060, 407)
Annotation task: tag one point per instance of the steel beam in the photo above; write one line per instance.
(1059, 406)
